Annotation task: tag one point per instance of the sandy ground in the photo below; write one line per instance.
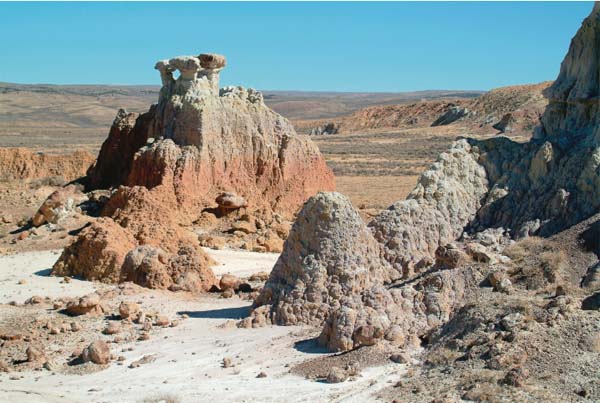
(187, 365)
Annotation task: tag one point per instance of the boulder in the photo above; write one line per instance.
(60, 204)
(97, 352)
(88, 304)
(128, 310)
(229, 201)
(186, 270)
(229, 282)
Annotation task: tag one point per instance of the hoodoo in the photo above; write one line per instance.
(196, 144)
(200, 141)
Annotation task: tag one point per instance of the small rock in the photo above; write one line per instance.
(35, 355)
(128, 309)
(112, 328)
(400, 358)
(512, 321)
(229, 281)
(336, 375)
(162, 320)
(227, 363)
(260, 276)
(97, 352)
(261, 375)
(516, 377)
(75, 327)
(36, 299)
(88, 304)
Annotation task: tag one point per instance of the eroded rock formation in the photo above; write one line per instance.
(329, 254)
(477, 190)
(21, 163)
(204, 140)
(167, 164)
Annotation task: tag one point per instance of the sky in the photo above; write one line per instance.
(356, 47)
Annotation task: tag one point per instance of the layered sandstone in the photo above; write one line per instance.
(203, 140)
(197, 143)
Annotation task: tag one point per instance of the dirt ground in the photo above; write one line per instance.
(183, 363)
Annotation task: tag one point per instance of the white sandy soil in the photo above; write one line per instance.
(188, 357)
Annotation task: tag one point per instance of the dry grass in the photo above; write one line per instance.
(538, 263)
(375, 192)
(163, 398)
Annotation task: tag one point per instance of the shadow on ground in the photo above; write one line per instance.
(224, 313)
(43, 273)
(310, 346)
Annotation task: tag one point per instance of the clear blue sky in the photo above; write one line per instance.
(293, 46)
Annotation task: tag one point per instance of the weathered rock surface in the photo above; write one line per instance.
(127, 134)
(58, 205)
(186, 270)
(21, 163)
(140, 242)
(446, 198)
(452, 115)
(207, 141)
(329, 254)
(97, 253)
(478, 191)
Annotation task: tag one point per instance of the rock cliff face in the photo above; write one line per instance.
(21, 163)
(478, 190)
(535, 188)
(573, 115)
(204, 140)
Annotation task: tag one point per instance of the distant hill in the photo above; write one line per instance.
(45, 115)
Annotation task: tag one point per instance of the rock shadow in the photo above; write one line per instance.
(44, 272)
(310, 346)
(224, 313)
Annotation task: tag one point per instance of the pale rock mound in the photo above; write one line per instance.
(479, 192)
(328, 255)
(444, 201)
(535, 188)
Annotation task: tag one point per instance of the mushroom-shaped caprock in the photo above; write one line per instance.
(212, 61)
